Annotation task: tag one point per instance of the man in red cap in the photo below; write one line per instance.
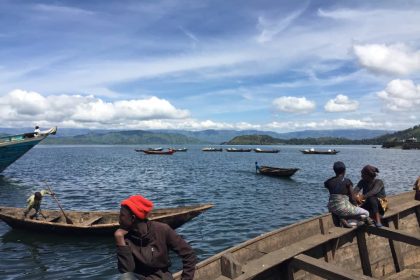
(143, 246)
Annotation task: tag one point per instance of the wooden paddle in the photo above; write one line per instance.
(68, 220)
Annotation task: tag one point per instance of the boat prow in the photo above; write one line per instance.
(12, 147)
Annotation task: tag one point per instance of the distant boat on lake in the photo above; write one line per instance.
(211, 149)
(273, 151)
(275, 171)
(14, 146)
(238, 150)
(179, 149)
(93, 222)
(319, 152)
(152, 152)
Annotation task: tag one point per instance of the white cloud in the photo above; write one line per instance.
(292, 104)
(20, 105)
(341, 104)
(401, 95)
(393, 59)
(329, 124)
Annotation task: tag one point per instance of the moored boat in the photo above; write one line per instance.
(93, 222)
(277, 172)
(211, 149)
(14, 146)
(274, 151)
(316, 247)
(319, 152)
(179, 149)
(242, 150)
(152, 152)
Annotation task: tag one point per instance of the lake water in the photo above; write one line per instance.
(246, 204)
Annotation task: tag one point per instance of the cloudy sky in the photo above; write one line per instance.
(268, 65)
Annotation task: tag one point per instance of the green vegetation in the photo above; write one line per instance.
(394, 138)
(133, 137)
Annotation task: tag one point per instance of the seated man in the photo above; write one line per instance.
(143, 246)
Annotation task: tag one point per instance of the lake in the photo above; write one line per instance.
(246, 204)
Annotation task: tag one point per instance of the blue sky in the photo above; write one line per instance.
(267, 65)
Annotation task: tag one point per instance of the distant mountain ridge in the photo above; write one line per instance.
(114, 137)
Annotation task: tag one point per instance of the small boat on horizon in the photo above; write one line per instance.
(12, 147)
(273, 151)
(211, 149)
(178, 149)
(94, 222)
(312, 151)
(153, 152)
(241, 150)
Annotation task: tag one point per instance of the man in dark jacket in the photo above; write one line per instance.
(143, 246)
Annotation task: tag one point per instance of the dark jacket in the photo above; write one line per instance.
(375, 188)
(147, 252)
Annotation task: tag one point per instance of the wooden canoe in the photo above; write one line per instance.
(315, 247)
(92, 222)
(210, 149)
(277, 172)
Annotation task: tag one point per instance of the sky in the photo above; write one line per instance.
(267, 65)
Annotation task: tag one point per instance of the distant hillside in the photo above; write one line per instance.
(219, 136)
(398, 138)
(123, 138)
(255, 140)
(268, 140)
(395, 137)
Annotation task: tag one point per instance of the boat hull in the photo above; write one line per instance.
(277, 172)
(93, 223)
(12, 152)
(315, 247)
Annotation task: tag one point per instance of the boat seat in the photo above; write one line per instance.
(91, 221)
(269, 260)
(53, 219)
(396, 209)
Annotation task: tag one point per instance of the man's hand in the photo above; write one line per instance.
(119, 236)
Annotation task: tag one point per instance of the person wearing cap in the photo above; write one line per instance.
(341, 195)
(143, 245)
(34, 201)
(373, 197)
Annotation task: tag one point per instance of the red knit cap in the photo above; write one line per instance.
(139, 205)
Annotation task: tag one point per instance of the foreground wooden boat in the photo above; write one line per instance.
(91, 222)
(273, 151)
(14, 146)
(319, 152)
(277, 172)
(315, 247)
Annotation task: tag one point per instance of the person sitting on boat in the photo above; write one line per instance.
(37, 131)
(143, 245)
(34, 201)
(416, 187)
(373, 197)
(341, 192)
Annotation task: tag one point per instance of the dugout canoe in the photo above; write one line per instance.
(168, 152)
(315, 248)
(93, 222)
(319, 152)
(277, 172)
(273, 151)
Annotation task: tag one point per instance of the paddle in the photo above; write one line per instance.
(68, 220)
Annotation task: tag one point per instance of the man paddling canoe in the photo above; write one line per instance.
(34, 201)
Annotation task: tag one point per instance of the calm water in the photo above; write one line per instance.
(246, 204)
